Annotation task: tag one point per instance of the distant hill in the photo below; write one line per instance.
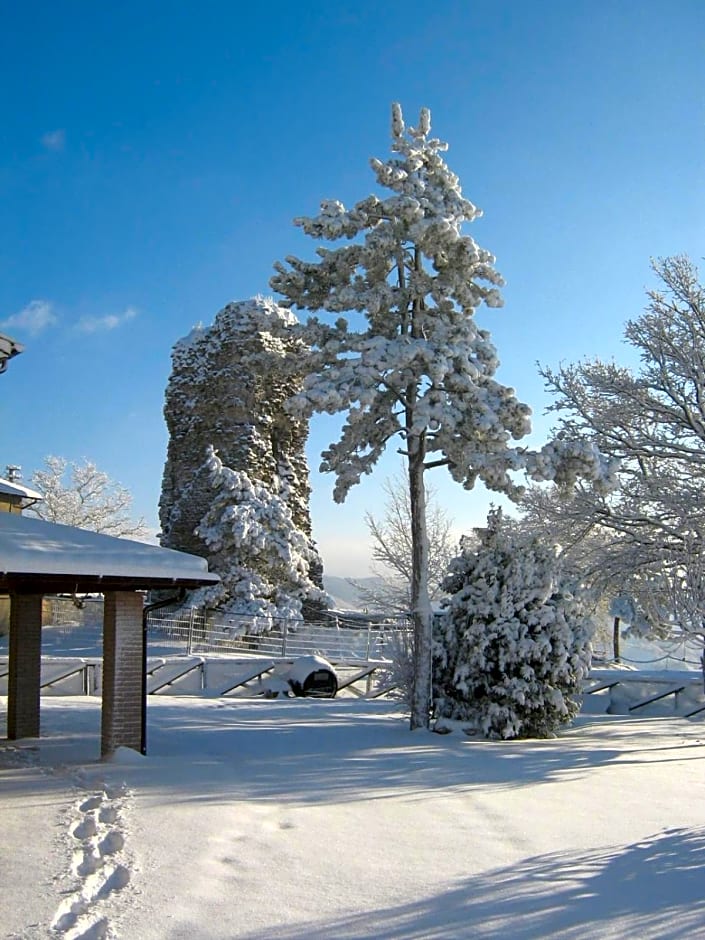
(343, 594)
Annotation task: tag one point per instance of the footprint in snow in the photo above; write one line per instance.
(97, 863)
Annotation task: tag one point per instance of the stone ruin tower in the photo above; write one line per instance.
(227, 388)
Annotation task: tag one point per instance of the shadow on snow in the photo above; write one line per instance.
(651, 889)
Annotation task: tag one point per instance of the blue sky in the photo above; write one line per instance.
(154, 154)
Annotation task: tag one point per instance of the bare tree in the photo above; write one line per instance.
(618, 573)
(677, 603)
(392, 549)
(645, 538)
(79, 494)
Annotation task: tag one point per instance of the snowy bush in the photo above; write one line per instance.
(263, 559)
(513, 642)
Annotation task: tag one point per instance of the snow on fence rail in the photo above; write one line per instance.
(338, 640)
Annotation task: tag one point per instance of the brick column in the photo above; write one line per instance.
(123, 666)
(25, 664)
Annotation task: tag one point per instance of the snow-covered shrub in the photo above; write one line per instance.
(263, 559)
(513, 641)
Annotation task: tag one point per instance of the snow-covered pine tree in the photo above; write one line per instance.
(514, 638)
(420, 369)
(264, 560)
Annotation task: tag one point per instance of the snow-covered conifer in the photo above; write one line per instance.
(514, 638)
(420, 368)
(264, 560)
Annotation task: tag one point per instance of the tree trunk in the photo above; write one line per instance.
(616, 649)
(420, 604)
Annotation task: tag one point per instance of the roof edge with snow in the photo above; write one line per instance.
(45, 556)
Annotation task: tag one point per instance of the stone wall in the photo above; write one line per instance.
(227, 388)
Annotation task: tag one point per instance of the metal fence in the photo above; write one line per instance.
(67, 612)
(338, 640)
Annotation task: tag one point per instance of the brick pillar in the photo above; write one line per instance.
(25, 664)
(122, 672)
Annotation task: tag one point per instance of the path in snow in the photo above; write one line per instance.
(99, 862)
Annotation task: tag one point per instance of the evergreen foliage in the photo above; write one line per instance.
(514, 639)
(263, 559)
(418, 368)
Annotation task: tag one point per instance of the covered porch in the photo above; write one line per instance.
(39, 558)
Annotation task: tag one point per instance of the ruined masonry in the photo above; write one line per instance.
(227, 388)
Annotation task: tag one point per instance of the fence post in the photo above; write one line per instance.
(285, 631)
(369, 640)
(206, 632)
(191, 622)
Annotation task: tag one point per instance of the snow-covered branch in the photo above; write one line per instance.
(79, 494)
(650, 423)
(263, 559)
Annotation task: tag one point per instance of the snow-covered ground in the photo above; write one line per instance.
(328, 819)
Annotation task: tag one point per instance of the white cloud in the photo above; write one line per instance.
(54, 140)
(32, 319)
(110, 321)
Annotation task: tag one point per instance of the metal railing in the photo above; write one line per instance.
(194, 631)
(66, 614)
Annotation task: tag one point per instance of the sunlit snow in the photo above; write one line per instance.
(275, 820)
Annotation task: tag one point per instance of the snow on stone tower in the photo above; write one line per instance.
(227, 388)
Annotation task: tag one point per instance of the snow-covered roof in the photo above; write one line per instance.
(44, 554)
(8, 348)
(10, 488)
